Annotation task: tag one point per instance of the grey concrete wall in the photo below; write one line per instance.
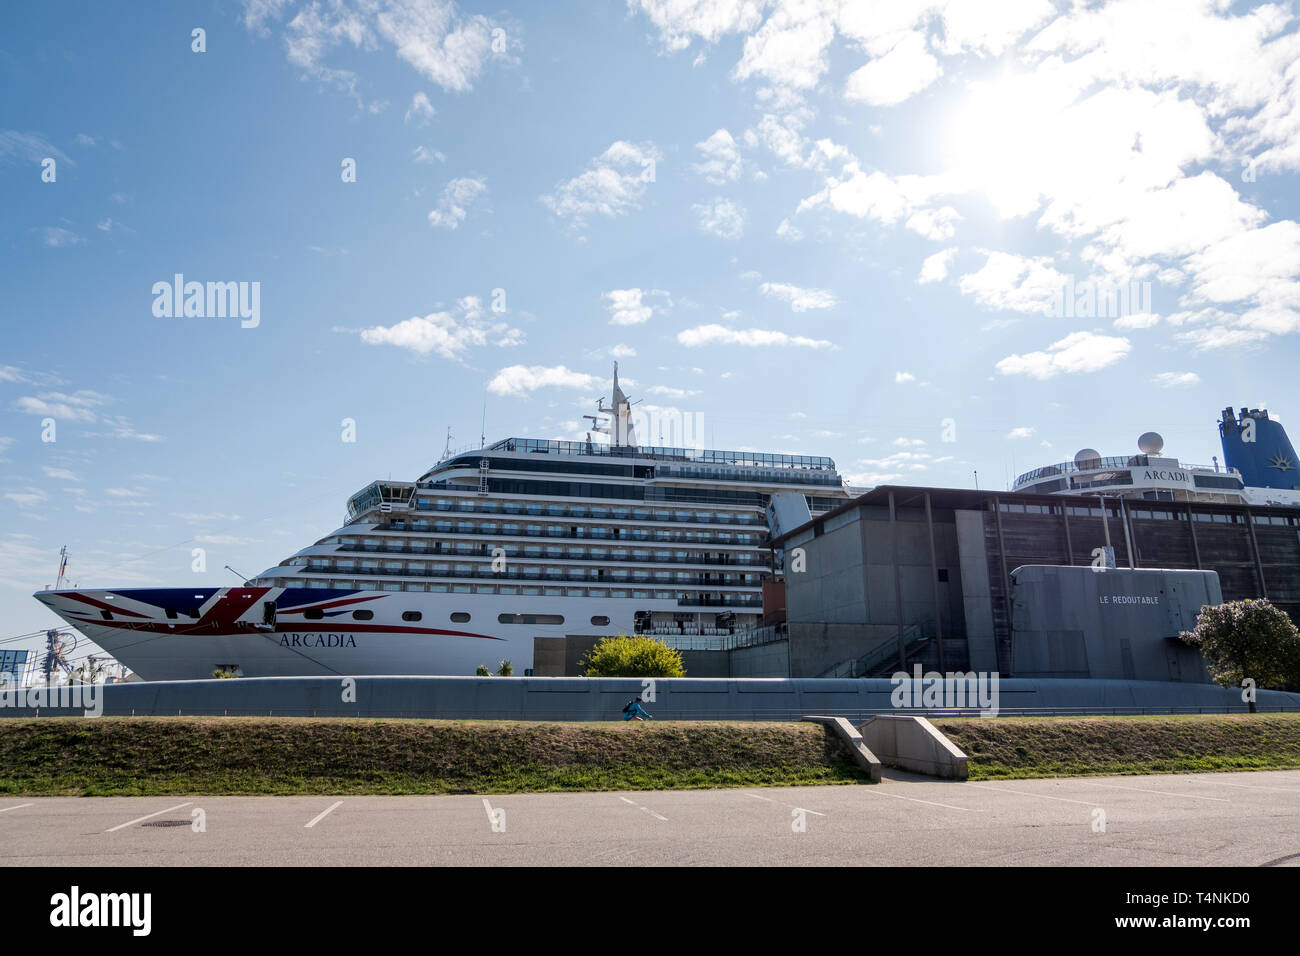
(762, 660)
(578, 698)
(913, 743)
(976, 599)
(1112, 623)
(707, 664)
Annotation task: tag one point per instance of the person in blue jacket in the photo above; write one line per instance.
(634, 711)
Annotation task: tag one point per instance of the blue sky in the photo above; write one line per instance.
(813, 227)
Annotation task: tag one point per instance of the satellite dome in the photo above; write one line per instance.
(1150, 443)
(1087, 458)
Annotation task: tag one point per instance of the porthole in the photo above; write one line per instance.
(411, 615)
(362, 615)
(599, 620)
(460, 617)
(315, 614)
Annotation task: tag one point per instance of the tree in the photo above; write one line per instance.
(482, 671)
(506, 669)
(1247, 640)
(635, 656)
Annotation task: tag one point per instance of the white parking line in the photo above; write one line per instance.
(1030, 793)
(323, 814)
(17, 807)
(149, 816)
(1240, 786)
(644, 809)
(779, 803)
(1163, 793)
(878, 792)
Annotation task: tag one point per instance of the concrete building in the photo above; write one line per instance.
(926, 575)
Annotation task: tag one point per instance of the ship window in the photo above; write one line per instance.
(460, 617)
(943, 574)
(171, 613)
(411, 615)
(362, 615)
(599, 620)
(106, 615)
(313, 614)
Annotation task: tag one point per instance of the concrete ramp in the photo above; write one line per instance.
(849, 735)
(915, 744)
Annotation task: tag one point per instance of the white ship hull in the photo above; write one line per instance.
(229, 632)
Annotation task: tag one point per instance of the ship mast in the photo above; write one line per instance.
(615, 421)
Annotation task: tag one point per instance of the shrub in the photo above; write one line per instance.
(1247, 640)
(635, 656)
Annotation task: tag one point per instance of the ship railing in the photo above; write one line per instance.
(630, 538)
(429, 553)
(516, 574)
(721, 518)
(1114, 461)
(693, 456)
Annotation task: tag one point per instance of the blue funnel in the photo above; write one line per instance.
(1258, 447)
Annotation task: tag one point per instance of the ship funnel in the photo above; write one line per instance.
(1259, 448)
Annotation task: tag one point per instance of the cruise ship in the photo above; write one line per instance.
(1259, 468)
(481, 556)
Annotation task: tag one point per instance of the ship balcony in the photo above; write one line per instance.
(597, 576)
(591, 512)
(742, 561)
(551, 532)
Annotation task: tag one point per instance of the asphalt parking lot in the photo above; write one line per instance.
(1236, 819)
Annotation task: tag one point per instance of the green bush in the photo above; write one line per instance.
(1248, 639)
(635, 656)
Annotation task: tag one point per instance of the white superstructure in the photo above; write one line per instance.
(479, 558)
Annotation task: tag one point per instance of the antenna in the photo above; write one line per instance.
(446, 451)
(63, 566)
(482, 433)
(237, 574)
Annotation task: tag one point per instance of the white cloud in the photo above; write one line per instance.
(29, 148)
(420, 109)
(720, 160)
(679, 22)
(450, 334)
(894, 77)
(721, 335)
(56, 236)
(77, 407)
(801, 300)
(453, 204)
(623, 351)
(721, 217)
(935, 267)
(1021, 432)
(522, 379)
(633, 306)
(422, 154)
(613, 185)
(902, 378)
(434, 37)
(61, 474)
(1019, 283)
(670, 392)
(1077, 352)
(1177, 379)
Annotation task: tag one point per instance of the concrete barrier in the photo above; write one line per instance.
(582, 698)
(848, 734)
(913, 743)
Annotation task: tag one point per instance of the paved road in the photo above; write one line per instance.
(1203, 819)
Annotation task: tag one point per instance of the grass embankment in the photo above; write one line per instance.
(1057, 746)
(248, 755)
